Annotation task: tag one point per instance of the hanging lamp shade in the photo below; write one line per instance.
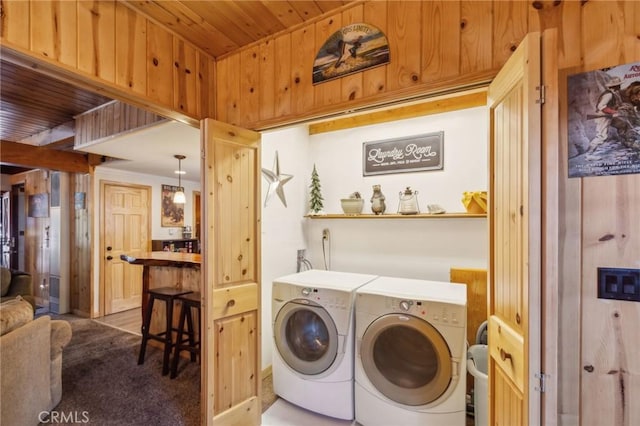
(178, 196)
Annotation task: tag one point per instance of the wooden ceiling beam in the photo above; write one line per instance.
(19, 154)
(52, 136)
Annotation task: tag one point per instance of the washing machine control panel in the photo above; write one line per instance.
(325, 297)
(434, 312)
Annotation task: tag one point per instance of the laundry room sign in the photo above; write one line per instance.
(402, 155)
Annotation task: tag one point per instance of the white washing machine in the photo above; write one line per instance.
(410, 365)
(313, 335)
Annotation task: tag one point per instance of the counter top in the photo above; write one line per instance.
(164, 258)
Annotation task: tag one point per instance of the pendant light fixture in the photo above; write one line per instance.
(179, 197)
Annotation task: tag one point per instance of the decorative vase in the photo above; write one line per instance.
(377, 201)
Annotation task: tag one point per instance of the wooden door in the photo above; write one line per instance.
(231, 369)
(125, 230)
(514, 227)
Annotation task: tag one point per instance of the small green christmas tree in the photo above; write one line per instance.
(315, 202)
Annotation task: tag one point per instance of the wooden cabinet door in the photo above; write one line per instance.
(231, 369)
(515, 236)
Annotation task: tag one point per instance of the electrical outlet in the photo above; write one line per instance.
(325, 234)
(619, 284)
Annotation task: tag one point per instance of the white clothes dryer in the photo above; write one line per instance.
(313, 335)
(410, 365)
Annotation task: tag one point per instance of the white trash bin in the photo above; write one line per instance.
(478, 367)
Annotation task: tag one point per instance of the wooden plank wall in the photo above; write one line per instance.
(111, 45)
(36, 247)
(596, 332)
(109, 120)
(434, 46)
(80, 256)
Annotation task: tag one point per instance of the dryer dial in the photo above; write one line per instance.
(405, 305)
(306, 291)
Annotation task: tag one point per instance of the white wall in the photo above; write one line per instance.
(104, 173)
(414, 248)
(282, 227)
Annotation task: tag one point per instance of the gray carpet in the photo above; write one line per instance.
(102, 382)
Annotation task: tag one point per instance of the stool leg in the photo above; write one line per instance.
(168, 344)
(145, 330)
(191, 332)
(176, 352)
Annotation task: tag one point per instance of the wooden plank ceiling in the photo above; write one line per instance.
(221, 27)
(32, 103)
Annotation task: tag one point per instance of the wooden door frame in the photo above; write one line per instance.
(101, 250)
(551, 158)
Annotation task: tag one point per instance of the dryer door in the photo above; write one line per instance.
(306, 336)
(406, 359)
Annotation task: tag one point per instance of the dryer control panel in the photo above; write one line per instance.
(432, 311)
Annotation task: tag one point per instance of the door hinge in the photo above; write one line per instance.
(542, 382)
(540, 89)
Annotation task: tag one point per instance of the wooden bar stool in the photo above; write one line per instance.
(168, 295)
(190, 342)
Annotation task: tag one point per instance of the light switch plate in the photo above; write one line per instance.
(619, 284)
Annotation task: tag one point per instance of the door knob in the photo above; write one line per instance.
(109, 248)
(109, 257)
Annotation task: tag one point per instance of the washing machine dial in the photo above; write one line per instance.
(405, 305)
(306, 291)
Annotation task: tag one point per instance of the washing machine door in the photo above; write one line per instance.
(406, 359)
(306, 336)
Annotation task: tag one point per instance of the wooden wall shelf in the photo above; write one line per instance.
(399, 216)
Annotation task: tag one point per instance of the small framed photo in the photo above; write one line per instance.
(172, 213)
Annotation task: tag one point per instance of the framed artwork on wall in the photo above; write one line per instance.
(172, 213)
(604, 121)
(39, 205)
(402, 155)
(351, 49)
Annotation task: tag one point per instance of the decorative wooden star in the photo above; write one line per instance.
(276, 182)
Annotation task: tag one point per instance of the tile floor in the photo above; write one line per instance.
(283, 413)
